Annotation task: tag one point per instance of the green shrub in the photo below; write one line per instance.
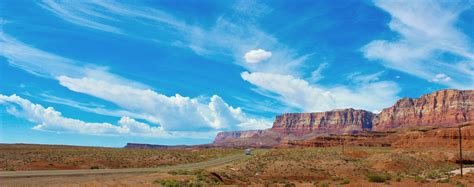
(447, 180)
(433, 175)
(378, 177)
(459, 184)
(185, 172)
(345, 181)
(177, 183)
(420, 179)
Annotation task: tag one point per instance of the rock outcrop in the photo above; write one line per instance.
(443, 108)
(335, 121)
(438, 137)
(447, 137)
(222, 136)
(253, 138)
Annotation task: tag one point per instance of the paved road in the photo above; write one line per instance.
(199, 165)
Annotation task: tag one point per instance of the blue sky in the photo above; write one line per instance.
(106, 73)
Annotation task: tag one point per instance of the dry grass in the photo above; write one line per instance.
(329, 165)
(358, 166)
(37, 157)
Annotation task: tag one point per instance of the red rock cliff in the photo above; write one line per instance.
(222, 136)
(334, 121)
(441, 108)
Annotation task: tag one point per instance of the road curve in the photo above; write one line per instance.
(199, 165)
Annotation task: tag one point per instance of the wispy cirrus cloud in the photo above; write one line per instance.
(48, 65)
(369, 94)
(428, 36)
(233, 35)
(95, 108)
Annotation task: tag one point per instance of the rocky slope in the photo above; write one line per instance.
(442, 108)
(447, 137)
(437, 137)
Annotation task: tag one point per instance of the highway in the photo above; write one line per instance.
(199, 165)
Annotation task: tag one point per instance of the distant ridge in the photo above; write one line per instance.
(444, 108)
(155, 146)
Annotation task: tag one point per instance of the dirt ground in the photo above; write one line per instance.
(18, 157)
(357, 166)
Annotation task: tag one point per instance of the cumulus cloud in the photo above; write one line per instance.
(135, 99)
(171, 112)
(49, 119)
(298, 93)
(428, 33)
(257, 56)
(441, 77)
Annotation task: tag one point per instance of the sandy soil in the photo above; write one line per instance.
(18, 157)
(357, 166)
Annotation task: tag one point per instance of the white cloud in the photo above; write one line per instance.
(362, 78)
(317, 75)
(295, 92)
(44, 64)
(137, 100)
(95, 108)
(232, 35)
(427, 32)
(81, 19)
(369, 95)
(172, 113)
(48, 119)
(441, 77)
(257, 56)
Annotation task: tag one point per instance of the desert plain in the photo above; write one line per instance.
(280, 166)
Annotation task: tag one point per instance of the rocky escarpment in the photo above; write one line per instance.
(253, 138)
(155, 146)
(222, 136)
(447, 137)
(335, 121)
(442, 108)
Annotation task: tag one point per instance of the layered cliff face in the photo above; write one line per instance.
(447, 137)
(438, 137)
(253, 138)
(222, 136)
(440, 109)
(335, 121)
